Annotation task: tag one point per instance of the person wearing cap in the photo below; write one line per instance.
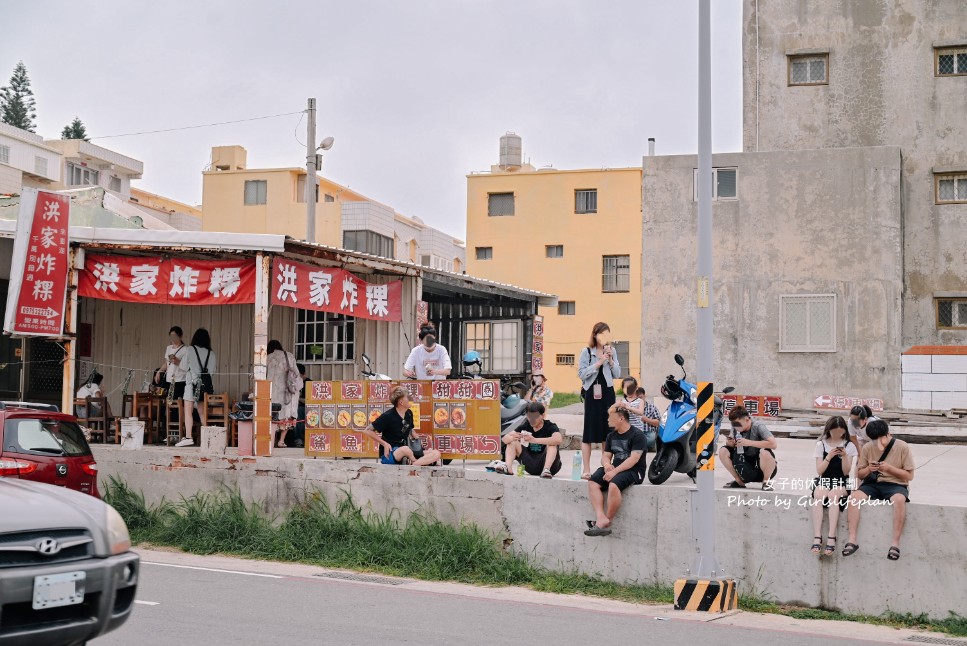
(539, 391)
(429, 360)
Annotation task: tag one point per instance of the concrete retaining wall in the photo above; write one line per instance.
(763, 544)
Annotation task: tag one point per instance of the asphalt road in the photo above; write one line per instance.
(215, 601)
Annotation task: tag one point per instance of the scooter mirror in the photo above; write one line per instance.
(727, 390)
(679, 360)
(366, 359)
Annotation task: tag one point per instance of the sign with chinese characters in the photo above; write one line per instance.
(422, 314)
(840, 402)
(537, 352)
(167, 281)
(757, 405)
(326, 289)
(460, 418)
(42, 243)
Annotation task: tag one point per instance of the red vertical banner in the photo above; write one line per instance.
(43, 290)
(537, 352)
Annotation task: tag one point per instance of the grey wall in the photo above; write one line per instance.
(882, 91)
(808, 222)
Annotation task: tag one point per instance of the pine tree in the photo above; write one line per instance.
(75, 130)
(17, 101)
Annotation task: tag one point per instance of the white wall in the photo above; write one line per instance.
(934, 382)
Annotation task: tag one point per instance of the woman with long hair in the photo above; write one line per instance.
(597, 370)
(283, 372)
(201, 366)
(834, 459)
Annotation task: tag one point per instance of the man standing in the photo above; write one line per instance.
(750, 453)
(622, 465)
(886, 468)
(535, 444)
(429, 360)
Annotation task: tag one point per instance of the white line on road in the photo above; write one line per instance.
(147, 603)
(210, 569)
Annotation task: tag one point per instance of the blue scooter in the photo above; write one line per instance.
(676, 441)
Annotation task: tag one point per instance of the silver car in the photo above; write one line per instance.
(67, 572)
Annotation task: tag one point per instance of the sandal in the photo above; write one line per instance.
(594, 530)
(281, 445)
(500, 468)
(546, 473)
(830, 548)
(893, 554)
(735, 485)
(817, 545)
(850, 549)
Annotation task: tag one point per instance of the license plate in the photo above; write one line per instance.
(58, 590)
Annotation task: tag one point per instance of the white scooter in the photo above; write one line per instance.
(367, 371)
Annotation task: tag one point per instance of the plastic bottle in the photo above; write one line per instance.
(576, 466)
(520, 470)
(739, 448)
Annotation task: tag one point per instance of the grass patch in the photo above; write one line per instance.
(560, 400)
(418, 547)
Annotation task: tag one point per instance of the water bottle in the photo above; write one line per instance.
(738, 447)
(520, 470)
(576, 466)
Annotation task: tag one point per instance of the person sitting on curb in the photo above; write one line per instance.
(535, 444)
(622, 465)
(392, 431)
(749, 453)
(834, 458)
(886, 468)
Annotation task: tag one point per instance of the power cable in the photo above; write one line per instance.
(204, 125)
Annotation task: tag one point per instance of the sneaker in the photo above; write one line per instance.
(186, 442)
(768, 486)
(500, 468)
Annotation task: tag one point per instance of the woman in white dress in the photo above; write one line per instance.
(283, 372)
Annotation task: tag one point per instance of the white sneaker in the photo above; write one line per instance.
(186, 442)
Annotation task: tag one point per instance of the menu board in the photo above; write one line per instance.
(459, 418)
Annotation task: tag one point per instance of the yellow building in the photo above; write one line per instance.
(236, 198)
(574, 233)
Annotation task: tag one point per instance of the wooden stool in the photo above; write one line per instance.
(214, 410)
(174, 424)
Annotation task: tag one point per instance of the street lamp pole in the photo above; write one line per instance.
(311, 172)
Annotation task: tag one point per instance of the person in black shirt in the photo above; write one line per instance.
(622, 465)
(534, 444)
(392, 431)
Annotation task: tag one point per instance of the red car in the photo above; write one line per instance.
(45, 446)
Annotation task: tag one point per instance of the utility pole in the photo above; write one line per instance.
(311, 169)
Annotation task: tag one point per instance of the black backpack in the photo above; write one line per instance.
(206, 385)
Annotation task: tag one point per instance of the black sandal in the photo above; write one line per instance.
(850, 548)
(735, 485)
(893, 554)
(817, 546)
(829, 549)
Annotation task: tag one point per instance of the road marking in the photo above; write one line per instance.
(210, 569)
(146, 603)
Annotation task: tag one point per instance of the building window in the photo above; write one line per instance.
(256, 191)
(114, 184)
(952, 313)
(807, 323)
(500, 204)
(40, 166)
(616, 274)
(485, 253)
(621, 352)
(564, 359)
(566, 308)
(322, 337)
(586, 200)
(300, 190)
(78, 175)
(809, 70)
(951, 188)
(4, 154)
(554, 250)
(498, 343)
(951, 61)
(436, 262)
(369, 242)
(723, 184)
(329, 198)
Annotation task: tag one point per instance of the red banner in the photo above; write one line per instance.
(326, 289)
(43, 291)
(757, 405)
(168, 281)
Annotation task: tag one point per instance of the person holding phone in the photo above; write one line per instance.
(597, 371)
(539, 390)
(534, 444)
(749, 454)
(834, 459)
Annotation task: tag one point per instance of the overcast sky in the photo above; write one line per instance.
(416, 93)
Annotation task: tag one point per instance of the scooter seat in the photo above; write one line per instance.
(510, 413)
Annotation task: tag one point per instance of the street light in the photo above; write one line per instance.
(313, 162)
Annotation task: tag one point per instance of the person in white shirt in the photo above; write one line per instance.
(175, 366)
(199, 360)
(429, 360)
(859, 417)
(90, 389)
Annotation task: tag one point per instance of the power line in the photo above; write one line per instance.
(205, 125)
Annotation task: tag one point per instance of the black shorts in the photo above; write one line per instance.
(884, 490)
(179, 387)
(534, 462)
(747, 466)
(622, 481)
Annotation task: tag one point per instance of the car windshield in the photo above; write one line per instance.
(48, 436)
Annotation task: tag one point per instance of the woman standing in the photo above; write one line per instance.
(174, 366)
(283, 372)
(597, 370)
(201, 365)
(834, 459)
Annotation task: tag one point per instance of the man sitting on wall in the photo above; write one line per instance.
(622, 465)
(535, 444)
(392, 431)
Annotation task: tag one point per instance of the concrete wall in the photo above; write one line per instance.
(764, 545)
(882, 91)
(806, 222)
(934, 381)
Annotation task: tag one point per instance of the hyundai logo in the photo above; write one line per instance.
(48, 546)
(62, 469)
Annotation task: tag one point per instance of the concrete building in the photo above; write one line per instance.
(26, 160)
(573, 233)
(84, 165)
(178, 215)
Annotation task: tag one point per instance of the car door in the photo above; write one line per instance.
(56, 447)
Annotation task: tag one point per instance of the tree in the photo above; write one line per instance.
(17, 101)
(75, 130)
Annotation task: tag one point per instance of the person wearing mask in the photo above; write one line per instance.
(175, 367)
(834, 459)
(859, 417)
(281, 370)
(539, 391)
(429, 360)
(201, 365)
(597, 371)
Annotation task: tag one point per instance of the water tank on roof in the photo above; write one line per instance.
(511, 156)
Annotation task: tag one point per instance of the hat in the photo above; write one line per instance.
(538, 373)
